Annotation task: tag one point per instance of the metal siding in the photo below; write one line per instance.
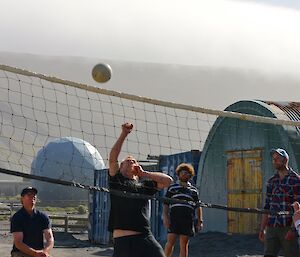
(231, 134)
(291, 111)
(100, 210)
(213, 187)
(168, 164)
(100, 203)
(212, 182)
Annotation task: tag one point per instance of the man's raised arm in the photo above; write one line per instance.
(116, 149)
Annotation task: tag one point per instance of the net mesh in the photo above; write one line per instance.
(35, 111)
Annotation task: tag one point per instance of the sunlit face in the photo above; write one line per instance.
(279, 162)
(128, 165)
(184, 176)
(29, 199)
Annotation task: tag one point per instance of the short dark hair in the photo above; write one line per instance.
(187, 167)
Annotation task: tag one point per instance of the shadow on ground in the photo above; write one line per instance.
(212, 244)
(68, 240)
(104, 252)
(80, 241)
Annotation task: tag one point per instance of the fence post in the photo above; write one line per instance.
(11, 205)
(66, 224)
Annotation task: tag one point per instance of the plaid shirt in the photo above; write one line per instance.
(279, 197)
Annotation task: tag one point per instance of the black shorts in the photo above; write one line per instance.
(137, 246)
(181, 226)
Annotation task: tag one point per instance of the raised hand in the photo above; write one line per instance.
(127, 128)
(138, 171)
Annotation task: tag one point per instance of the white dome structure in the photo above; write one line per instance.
(70, 159)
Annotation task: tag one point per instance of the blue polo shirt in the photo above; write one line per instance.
(31, 226)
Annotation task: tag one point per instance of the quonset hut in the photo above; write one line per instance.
(236, 163)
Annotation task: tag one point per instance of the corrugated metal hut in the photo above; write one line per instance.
(236, 163)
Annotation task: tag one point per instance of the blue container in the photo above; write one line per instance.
(100, 201)
(168, 164)
(99, 210)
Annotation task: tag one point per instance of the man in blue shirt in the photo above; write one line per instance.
(30, 227)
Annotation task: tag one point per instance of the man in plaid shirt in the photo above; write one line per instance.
(283, 189)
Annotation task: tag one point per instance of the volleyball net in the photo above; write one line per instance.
(36, 110)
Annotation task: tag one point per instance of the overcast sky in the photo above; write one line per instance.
(262, 35)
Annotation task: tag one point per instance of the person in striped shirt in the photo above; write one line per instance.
(283, 189)
(179, 217)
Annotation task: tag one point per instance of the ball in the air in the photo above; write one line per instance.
(101, 72)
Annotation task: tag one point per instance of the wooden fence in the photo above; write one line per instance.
(67, 222)
(8, 209)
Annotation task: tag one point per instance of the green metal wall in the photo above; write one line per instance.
(229, 134)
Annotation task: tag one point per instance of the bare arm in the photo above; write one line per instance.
(48, 235)
(166, 216)
(199, 214)
(116, 149)
(199, 218)
(265, 217)
(18, 241)
(162, 180)
(264, 220)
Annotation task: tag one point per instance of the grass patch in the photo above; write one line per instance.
(58, 209)
(15, 198)
(4, 217)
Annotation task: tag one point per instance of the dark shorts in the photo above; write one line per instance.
(181, 226)
(137, 246)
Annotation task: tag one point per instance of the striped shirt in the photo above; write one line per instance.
(188, 193)
(280, 196)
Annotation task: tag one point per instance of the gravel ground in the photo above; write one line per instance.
(210, 244)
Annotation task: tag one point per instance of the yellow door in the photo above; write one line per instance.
(244, 187)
